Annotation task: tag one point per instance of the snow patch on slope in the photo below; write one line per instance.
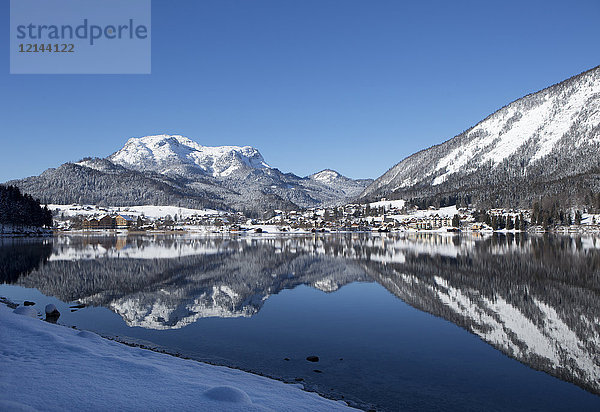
(534, 137)
(506, 131)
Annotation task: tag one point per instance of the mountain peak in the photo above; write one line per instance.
(325, 176)
(179, 155)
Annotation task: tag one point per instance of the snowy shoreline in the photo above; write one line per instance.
(7, 230)
(52, 367)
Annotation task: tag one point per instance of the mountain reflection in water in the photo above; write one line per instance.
(536, 299)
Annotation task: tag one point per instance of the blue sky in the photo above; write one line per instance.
(351, 85)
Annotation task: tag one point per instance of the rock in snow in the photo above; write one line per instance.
(52, 314)
(27, 311)
(50, 308)
(99, 374)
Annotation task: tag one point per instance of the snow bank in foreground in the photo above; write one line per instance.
(50, 367)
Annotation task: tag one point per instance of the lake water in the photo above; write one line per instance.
(399, 322)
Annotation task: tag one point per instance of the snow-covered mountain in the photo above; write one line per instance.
(331, 178)
(546, 143)
(174, 170)
(177, 155)
(326, 176)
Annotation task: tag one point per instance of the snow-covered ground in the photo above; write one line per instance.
(152, 212)
(54, 368)
(388, 204)
(448, 211)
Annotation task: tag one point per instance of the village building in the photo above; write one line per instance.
(106, 222)
(90, 223)
(124, 221)
(430, 222)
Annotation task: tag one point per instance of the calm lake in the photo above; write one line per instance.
(399, 322)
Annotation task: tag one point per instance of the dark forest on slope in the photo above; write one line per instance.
(21, 209)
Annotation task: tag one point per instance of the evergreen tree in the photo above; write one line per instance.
(509, 223)
(578, 217)
(494, 223)
(522, 222)
(487, 219)
(456, 221)
(21, 209)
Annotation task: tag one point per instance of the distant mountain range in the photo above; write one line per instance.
(174, 170)
(546, 144)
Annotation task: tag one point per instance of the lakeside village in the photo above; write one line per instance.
(381, 216)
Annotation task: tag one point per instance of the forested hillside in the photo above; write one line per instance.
(20, 209)
(545, 145)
